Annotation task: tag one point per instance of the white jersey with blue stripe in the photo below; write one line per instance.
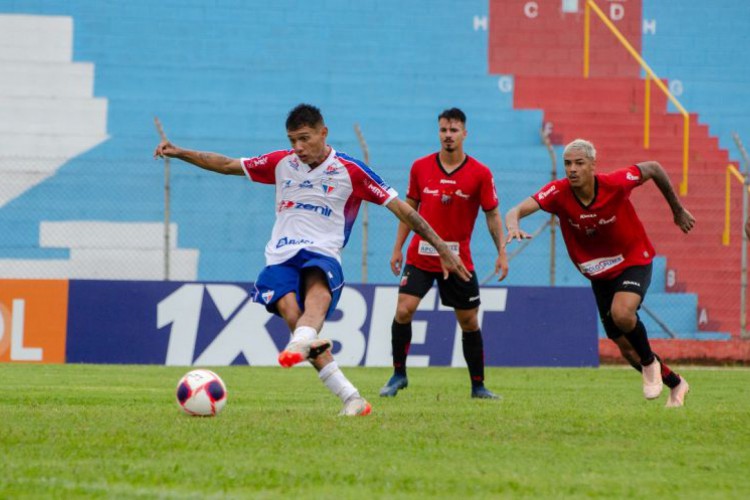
(315, 207)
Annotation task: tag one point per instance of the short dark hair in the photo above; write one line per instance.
(453, 114)
(304, 115)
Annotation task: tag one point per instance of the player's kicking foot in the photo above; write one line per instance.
(481, 392)
(652, 384)
(298, 351)
(678, 394)
(356, 406)
(395, 384)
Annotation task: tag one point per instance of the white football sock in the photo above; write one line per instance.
(304, 333)
(336, 381)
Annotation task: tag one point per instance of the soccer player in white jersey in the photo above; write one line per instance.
(318, 194)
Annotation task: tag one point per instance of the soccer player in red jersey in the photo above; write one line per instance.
(447, 188)
(608, 244)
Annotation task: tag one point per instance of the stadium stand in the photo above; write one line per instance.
(222, 77)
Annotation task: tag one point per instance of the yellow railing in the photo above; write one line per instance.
(650, 75)
(731, 172)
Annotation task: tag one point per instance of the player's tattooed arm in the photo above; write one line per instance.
(653, 170)
(450, 262)
(208, 161)
(420, 226)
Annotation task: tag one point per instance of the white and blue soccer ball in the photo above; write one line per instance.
(201, 393)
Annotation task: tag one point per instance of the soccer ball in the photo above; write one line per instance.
(202, 393)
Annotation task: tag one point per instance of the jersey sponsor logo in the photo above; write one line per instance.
(632, 177)
(287, 184)
(603, 222)
(331, 170)
(329, 185)
(461, 194)
(377, 190)
(323, 210)
(631, 283)
(306, 184)
(294, 163)
(285, 241)
(447, 181)
(426, 249)
(588, 216)
(430, 191)
(543, 194)
(570, 221)
(258, 161)
(598, 266)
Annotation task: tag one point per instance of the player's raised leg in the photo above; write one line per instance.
(319, 302)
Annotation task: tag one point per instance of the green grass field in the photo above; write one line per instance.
(116, 432)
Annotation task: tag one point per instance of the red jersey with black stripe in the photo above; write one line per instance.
(606, 236)
(449, 202)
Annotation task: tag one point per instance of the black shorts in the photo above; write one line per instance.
(454, 292)
(634, 279)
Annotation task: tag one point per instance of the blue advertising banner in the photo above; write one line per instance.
(178, 323)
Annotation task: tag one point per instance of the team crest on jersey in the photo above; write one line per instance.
(329, 185)
(267, 296)
(285, 204)
(446, 198)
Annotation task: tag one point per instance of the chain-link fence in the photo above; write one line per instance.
(95, 218)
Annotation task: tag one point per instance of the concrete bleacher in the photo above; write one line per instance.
(222, 78)
(226, 85)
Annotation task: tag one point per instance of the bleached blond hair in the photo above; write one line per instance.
(583, 145)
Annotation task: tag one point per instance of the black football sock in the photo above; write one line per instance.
(400, 343)
(474, 356)
(670, 378)
(639, 341)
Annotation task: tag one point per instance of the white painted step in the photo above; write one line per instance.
(46, 79)
(36, 38)
(115, 264)
(27, 150)
(38, 115)
(104, 234)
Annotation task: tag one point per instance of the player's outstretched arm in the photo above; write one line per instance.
(207, 161)
(397, 257)
(495, 227)
(514, 216)
(653, 170)
(450, 262)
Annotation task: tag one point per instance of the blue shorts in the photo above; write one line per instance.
(277, 280)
